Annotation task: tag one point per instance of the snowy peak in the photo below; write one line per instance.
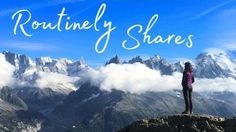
(59, 75)
(212, 65)
(62, 66)
(73, 69)
(161, 64)
(43, 61)
(211, 56)
(53, 65)
(21, 62)
(24, 64)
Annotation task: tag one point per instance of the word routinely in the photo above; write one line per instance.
(25, 25)
(86, 25)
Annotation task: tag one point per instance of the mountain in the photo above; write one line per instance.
(135, 60)
(15, 115)
(114, 60)
(7, 95)
(183, 123)
(158, 63)
(62, 66)
(44, 64)
(37, 99)
(209, 65)
(57, 94)
(90, 109)
(40, 85)
(206, 64)
(60, 75)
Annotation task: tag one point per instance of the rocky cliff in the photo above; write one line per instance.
(183, 123)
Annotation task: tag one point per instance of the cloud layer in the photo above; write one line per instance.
(133, 78)
(6, 72)
(137, 78)
(57, 82)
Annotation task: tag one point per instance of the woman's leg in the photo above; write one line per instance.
(190, 100)
(185, 93)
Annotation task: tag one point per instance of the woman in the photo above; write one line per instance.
(187, 81)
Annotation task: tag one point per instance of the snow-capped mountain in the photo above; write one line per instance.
(52, 87)
(62, 74)
(206, 64)
(209, 65)
(63, 66)
(161, 64)
(20, 62)
(58, 74)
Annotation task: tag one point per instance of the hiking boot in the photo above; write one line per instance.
(186, 112)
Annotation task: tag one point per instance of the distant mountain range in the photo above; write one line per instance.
(206, 65)
(53, 94)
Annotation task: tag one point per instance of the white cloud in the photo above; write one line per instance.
(137, 78)
(6, 72)
(217, 84)
(57, 82)
(134, 78)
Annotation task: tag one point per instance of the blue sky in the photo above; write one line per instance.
(212, 22)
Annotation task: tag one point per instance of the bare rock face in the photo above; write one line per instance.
(183, 123)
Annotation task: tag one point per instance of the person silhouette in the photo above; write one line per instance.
(187, 81)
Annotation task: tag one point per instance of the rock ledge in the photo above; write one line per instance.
(183, 123)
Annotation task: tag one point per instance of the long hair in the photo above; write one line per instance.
(188, 67)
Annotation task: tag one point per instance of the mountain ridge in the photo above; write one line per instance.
(206, 64)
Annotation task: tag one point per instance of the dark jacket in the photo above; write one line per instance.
(185, 80)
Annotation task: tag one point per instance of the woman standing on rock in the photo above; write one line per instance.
(187, 81)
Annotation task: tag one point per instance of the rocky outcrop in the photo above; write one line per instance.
(114, 60)
(183, 123)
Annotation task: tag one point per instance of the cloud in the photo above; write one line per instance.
(6, 72)
(137, 78)
(58, 82)
(210, 10)
(134, 78)
(217, 84)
